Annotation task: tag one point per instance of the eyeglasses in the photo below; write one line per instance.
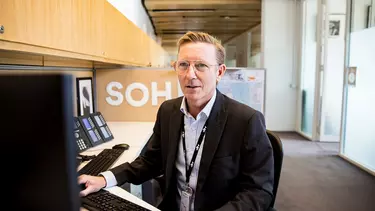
(183, 66)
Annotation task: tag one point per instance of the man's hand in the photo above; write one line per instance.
(92, 184)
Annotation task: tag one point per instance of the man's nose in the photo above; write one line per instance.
(191, 72)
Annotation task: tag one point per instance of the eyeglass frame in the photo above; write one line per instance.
(174, 64)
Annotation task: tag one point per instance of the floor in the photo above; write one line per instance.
(314, 178)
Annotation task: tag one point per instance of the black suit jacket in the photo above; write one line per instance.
(236, 169)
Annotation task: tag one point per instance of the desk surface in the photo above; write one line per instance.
(136, 134)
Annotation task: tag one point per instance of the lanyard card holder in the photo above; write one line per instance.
(186, 196)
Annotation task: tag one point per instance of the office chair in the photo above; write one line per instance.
(278, 155)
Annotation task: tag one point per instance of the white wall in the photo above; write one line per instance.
(278, 60)
(134, 11)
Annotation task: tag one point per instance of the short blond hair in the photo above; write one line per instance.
(194, 37)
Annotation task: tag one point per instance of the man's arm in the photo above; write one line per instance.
(256, 170)
(146, 166)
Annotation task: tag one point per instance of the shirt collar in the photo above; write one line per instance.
(206, 110)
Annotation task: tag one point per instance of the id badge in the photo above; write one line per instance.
(186, 198)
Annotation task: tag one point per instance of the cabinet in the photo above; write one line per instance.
(117, 36)
(40, 23)
(92, 30)
(87, 27)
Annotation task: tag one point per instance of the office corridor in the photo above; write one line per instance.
(314, 178)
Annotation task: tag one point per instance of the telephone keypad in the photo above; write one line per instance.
(81, 144)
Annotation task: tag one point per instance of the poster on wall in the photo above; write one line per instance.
(85, 99)
(245, 85)
(336, 26)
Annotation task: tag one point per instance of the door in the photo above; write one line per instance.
(358, 134)
(311, 63)
(333, 72)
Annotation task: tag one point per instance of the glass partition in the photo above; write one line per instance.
(358, 134)
(308, 65)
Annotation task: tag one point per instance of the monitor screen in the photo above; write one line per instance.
(104, 131)
(93, 136)
(98, 121)
(46, 179)
(86, 123)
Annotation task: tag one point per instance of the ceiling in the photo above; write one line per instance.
(225, 19)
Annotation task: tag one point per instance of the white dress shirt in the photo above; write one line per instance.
(193, 129)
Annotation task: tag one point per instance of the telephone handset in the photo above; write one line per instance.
(102, 126)
(83, 142)
(90, 130)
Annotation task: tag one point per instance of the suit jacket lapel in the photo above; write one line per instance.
(215, 129)
(174, 138)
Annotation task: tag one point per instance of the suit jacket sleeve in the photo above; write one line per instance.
(256, 173)
(146, 166)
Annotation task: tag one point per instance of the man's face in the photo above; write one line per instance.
(198, 71)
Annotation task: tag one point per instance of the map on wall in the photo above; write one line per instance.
(244, 85)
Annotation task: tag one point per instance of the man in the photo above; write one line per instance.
(213, 151)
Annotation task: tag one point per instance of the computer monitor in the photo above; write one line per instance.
(38, 156)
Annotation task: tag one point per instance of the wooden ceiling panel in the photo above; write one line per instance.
(204, 7)
(199, 4)
(177, 36)
(211, 31)
(223, 19)
(214, 13)
(168, 40)
(201, 28)
(167, 20)
(202, 25)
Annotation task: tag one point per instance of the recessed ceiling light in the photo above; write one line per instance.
(227, 17)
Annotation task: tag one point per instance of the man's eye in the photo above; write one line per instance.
(201, 65)
(184, 65)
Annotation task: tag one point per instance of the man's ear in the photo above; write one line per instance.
(220, 72)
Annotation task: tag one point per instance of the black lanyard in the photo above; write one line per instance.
(189, 168)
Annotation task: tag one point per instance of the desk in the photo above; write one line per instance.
(136, 134)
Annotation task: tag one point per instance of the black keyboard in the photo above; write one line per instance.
(104, 200)
(102, 162)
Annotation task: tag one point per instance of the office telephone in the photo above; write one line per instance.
(102, 126)
(91, 130)
(82, 140)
